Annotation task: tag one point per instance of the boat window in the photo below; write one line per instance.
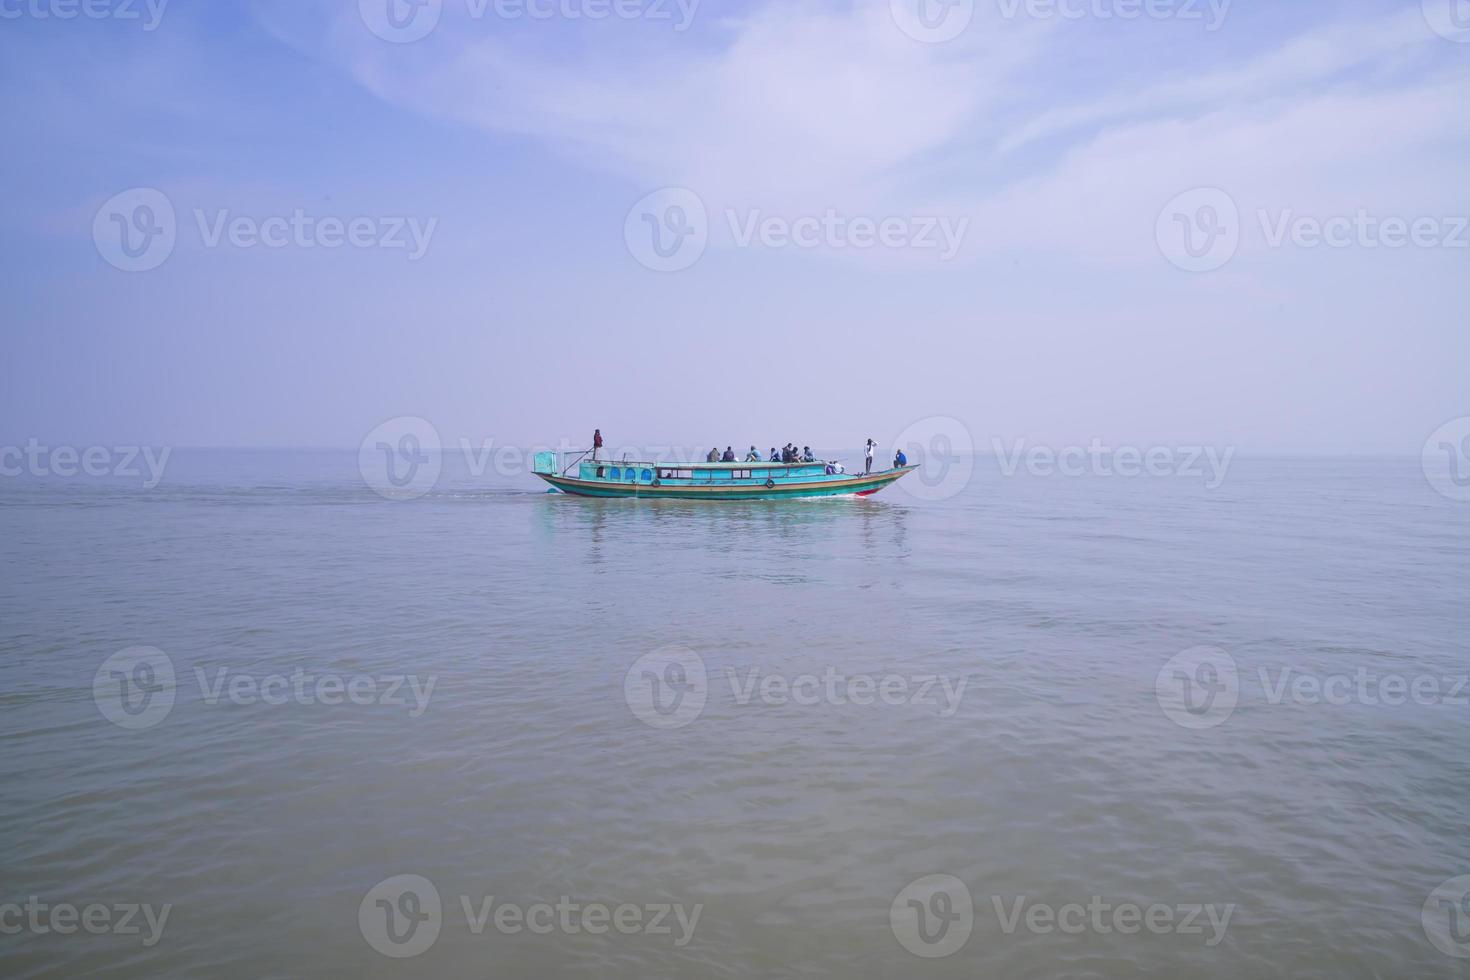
(616, 473)
(600, 472)
(648, 474)
(632, 473)
(740, 474)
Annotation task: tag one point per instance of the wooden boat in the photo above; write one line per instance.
(710, 481)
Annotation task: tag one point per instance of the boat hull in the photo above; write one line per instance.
(861, 485)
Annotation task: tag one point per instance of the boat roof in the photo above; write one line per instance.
(701, 464)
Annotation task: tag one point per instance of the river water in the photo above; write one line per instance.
(1022, 726)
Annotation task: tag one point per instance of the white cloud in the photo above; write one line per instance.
(795, 108)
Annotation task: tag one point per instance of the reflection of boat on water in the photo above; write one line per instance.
(709, 481)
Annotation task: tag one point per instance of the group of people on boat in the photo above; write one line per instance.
(787, 454)
(790, 454)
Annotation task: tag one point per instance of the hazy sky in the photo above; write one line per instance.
(879, 222)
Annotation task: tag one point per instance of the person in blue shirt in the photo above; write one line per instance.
(753, 456)
(806, 455)
(900, 460)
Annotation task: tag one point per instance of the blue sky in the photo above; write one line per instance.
(1053, 147)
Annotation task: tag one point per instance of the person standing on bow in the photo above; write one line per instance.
(596, 442)
(868, 456)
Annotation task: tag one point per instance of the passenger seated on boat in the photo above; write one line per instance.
(729, 456)
(713, 456)
(806, 455)
(900, 460)
(753, 456)
(774, 458)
